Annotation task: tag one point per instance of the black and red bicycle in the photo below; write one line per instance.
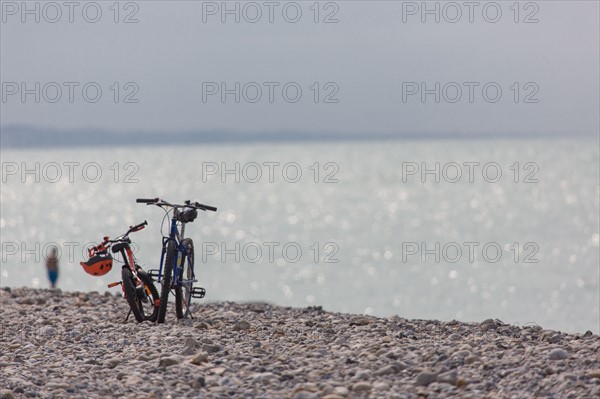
(137, 285)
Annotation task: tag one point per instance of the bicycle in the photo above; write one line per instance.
(177, 258)
(137, 285)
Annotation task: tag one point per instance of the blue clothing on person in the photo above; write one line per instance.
(53, 276)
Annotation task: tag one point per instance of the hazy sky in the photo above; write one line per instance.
(375, 61)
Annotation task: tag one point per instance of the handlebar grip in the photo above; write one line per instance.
(138, 227)
(205, 207)
(146, 200)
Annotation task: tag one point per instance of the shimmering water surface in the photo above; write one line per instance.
(359, 210)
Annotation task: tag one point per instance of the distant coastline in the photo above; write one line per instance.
(22, 136)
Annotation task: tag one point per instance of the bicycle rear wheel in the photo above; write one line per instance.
(142, 299)
(171, 253)
(151, 307)
(183, 291)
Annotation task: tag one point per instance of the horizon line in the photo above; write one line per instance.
(20, 136)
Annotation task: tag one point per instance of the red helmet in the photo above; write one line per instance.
(99, 264)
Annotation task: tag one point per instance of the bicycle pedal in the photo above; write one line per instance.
(154, 273)
(198, 292)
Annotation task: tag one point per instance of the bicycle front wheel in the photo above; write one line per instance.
(171, 254)
(183, 291)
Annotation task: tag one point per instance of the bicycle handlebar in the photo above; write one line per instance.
(137, 227)
(146, 200)
(205, 207)
(104, 245)
(161, 202)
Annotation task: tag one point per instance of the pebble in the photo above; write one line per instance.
(361, 386)
(359, 321)
(558, 354)
(167, 361)
(199, 359)
(199, 382)
(242, 326)
(6, 394)
(56, 385)
(449, 377)
(210, 348)
(303, 394)
(191, 343)
(201, 326)
(461, 354)
(341, 391)
(471, 359)
(113, 362)
(187, 351)
(593, 373)
(381, 386)
(385, 370)
(262, 377)
(486, 325)
(218, 370)
(78, 345)
(362, 374)
(425, 378)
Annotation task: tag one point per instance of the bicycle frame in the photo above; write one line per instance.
(177, 238)
(129, 261)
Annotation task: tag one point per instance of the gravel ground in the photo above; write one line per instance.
(57, 344)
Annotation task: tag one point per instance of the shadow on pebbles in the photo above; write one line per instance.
(56, 344)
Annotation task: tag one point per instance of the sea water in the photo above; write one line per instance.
(448, 229)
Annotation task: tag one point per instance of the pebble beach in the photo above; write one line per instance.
(56, 344)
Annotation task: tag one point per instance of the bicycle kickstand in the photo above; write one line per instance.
(127, 318)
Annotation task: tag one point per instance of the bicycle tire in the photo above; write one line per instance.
(153, 295)
(183, 293)
(136, 304)
(171, 252)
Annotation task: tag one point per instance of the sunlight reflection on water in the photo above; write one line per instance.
(368, 215)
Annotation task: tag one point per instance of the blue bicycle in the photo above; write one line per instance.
(177, 258)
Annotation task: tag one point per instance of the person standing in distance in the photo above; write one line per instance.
(52, 266)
